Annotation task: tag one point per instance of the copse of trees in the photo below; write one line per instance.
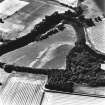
(84, 66)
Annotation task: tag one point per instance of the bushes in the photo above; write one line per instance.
(58, 81)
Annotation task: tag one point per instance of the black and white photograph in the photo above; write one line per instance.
(52, 52)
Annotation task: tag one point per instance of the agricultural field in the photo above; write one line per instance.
(49, 53)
